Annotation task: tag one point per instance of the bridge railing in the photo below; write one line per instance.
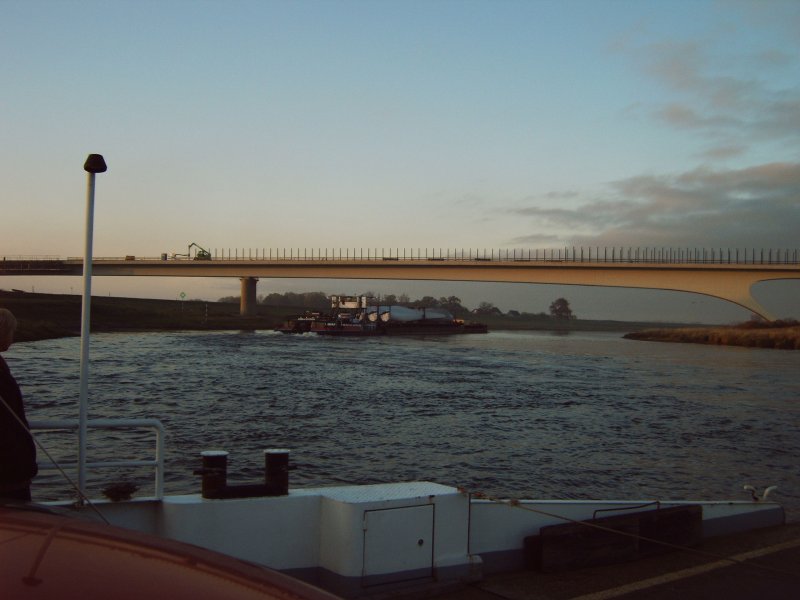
(32, 257)
(594, 254)
(567, 254)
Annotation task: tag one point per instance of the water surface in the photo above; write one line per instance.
(517, 414)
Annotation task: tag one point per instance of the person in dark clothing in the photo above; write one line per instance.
(17, 449)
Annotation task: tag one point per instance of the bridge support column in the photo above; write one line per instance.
(247, 307)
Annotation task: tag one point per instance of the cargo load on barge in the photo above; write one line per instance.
(355, 316)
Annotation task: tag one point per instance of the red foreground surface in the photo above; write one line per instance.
(46, 556)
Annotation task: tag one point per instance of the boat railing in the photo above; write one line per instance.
(73, 425)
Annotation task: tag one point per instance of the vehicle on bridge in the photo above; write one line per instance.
(200, 253)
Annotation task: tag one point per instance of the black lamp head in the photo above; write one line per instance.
(95, 164)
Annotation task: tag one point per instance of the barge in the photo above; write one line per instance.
(354, 316)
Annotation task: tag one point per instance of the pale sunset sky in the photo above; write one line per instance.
(416, 124)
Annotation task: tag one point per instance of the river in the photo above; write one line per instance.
(512, 414)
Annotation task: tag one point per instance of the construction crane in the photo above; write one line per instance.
(200, 253)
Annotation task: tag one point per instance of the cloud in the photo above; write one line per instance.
(749, 207)
(724, 151)
(684, 117)
(554, 216)
(740, 97)
(537, 241)
(725, 100)
(773, 58)
(731, 106)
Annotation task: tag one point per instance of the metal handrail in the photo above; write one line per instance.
(569, 254)
(73, 424)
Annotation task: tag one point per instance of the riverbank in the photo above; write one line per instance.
(779, 335)
(48, 316)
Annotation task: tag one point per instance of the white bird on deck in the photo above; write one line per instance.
(754, 492)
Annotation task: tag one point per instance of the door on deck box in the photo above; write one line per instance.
(398, 544)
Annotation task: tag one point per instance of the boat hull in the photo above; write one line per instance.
(356, 539)
(399, 329)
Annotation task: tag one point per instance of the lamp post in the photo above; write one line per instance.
(94, 164)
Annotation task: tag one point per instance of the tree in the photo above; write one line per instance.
(453, 304)
(308, 300)
(426, 302)
(487, 308)
(559, 309)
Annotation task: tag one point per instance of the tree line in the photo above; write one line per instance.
(318, 301)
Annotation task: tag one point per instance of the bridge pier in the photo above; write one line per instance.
(247, 306)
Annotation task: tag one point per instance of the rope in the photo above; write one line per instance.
(83, 497)
(702, 553)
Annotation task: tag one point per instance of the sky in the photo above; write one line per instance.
(376, 124)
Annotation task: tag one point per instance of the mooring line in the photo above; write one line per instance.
(734, 560)
(72, 484)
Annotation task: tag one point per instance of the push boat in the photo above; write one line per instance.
(356, 316)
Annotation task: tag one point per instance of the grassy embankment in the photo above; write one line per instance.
(783, 335)
(46, 316)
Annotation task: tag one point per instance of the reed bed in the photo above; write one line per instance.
(781, 335)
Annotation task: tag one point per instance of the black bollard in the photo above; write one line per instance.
(214, 472)
(276, 471)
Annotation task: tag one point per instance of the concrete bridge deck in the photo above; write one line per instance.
(729, 276)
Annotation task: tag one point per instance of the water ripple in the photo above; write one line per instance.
(513, 414)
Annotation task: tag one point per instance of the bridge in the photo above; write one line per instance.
(728, 274)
